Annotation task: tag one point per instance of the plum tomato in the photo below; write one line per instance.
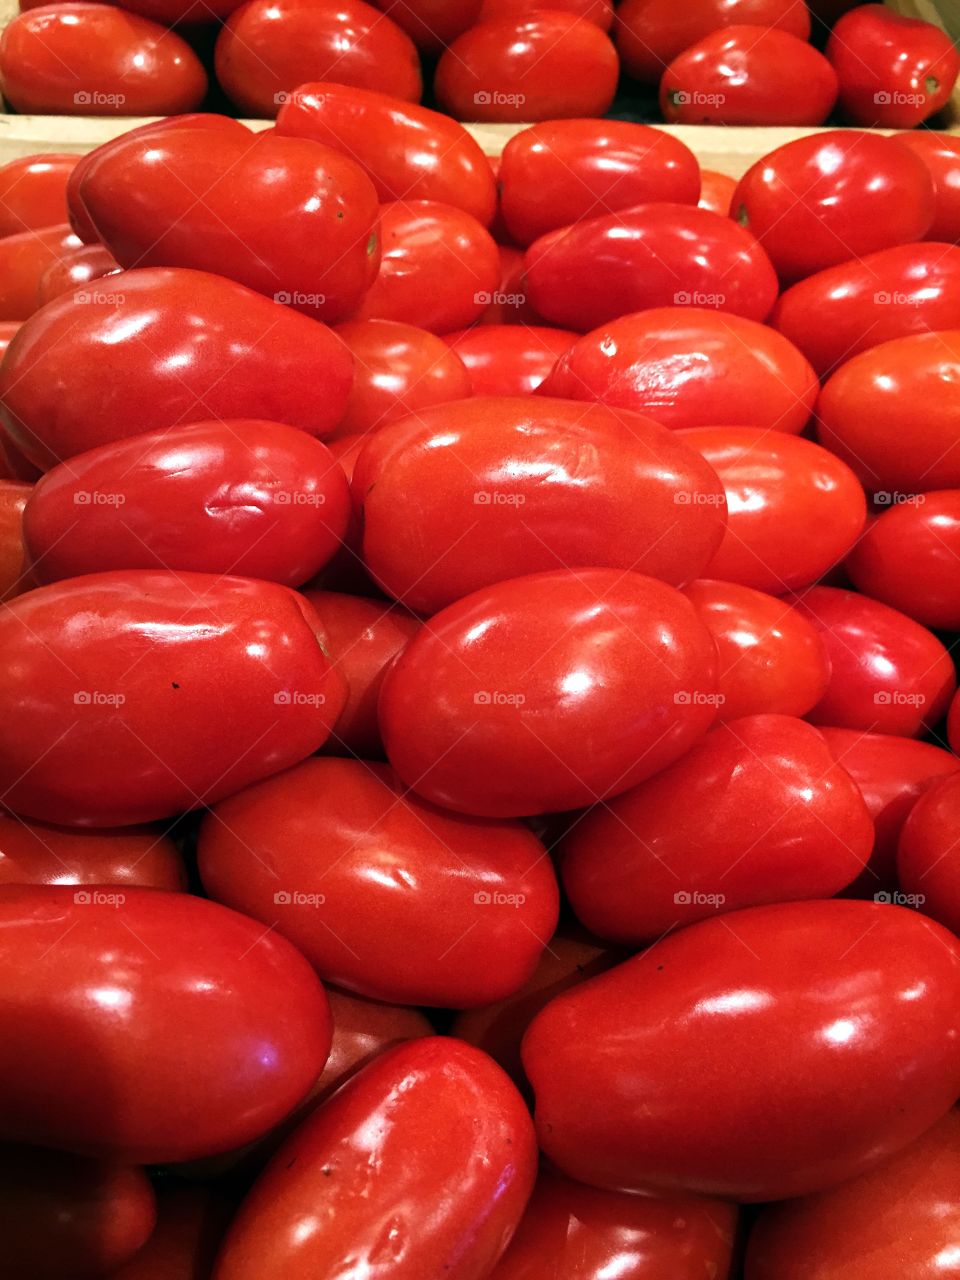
(14, 495)
(24, 258)
(362, 1029)
(716, 191)
(33, 192)
(76, 269)
(940, 152)
(928, 865)
(509, 359)
(38, 853)
(432, 24)
(190, 1225)
(509, 303)
(597, 11)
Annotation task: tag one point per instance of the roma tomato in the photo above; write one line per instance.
(181, 346)
(748, 75)
(801, 1004)
(268, 48)
(509, 304)
(688, 367)
(82, 59)
(173, 13)
(889, 674)
(940, 152)
(190, 1225)
(421, 1165)
(69, 274)
(548, 66)
(432, 24)
(927, 861)
(38, 853)
(33, 192)
(123, 719)
(562, 171)
(463, 496)
(548, 692)
(7, 329)
(13, 499)
(655, 255)
(832, 196)
(598, 11)
(326, 852)
(794, 510)
(24, 258)
(716, 191)
(509, 359)
(363, 1029)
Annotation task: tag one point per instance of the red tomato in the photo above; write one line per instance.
(716, 191)
(655, 255)
(12, 461)
(439, 269)
(462, 496)
(508, 304)
(362, 1029)
(509, 359)
(940, 152)
(232, 1026)
(889, 675)
(548, 66)
(559, 172)
(13, 499)
(548, 692)
(772, 660)
(900, 1220)
(38, 853)
(268, 48)
(927, 864)
(190, 1225)
(687, 367)
(70, 273)
(597, 11)
(794, 510)
(833, 196)
(124, 719)
(408, 152)
(748, 75)
(894, 71)
(96, 60)
(203, 347)
(953, 724)
(432, 24)
(177, 12)
(24, 258)
(7, 329)
(842, 1018)
(33, 192)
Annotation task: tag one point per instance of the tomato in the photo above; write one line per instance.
(748, 75)
(899, 1220)
(953, 724)
(688, 367)
(835, 314)
(24, 258)
(940, 152)
(13, 499)
(756, 812)
(63, 1215)
(889, 674)
(462, 496)
(12, 461)
(651, 33)
(96, 60)
(70, 273)
(572, 1230)
(562, 171)
(124, 719)
(432, 24)
(840, 1016)
(549, 65)
(509, 359)
(7, 329)
(716, 191)
(181, 346)
(177, 12)
(33, 192)
(832, 196)
(408, 152)
(892, 412)
(362, 1029)
(772, 660)
(439, 267)
(927, 865)
(38, 853)
(323, 263)
(232, 1026)
(548, 692)
(654, 255)
(894, 71)
(597, 11)
(190, 1224)
(508, 304)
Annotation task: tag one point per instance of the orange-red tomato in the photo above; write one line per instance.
(33, 192)
(39, 853)
(928, 867)
(509, 359)
(598, 11)
(13, 498)
(190, 1225)
(940, 152)
(716, 191)
(24, 258)
(75, 270)
(432, 24)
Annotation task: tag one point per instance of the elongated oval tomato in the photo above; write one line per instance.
(93, 715)
(927, 864)
(362, 1029)
(431, 24)
(509, 359)
(597, 11)
(33, 192)
(194, 1030)
(940, 152)
(716, 191)
(798, 1004)
(24, 258)
(39, 853)
(190, 1225)
(181, 346)
(548, 692)
(462, 496)
(421, 1165)
(173, 13)
(13, 570)
(76, 269)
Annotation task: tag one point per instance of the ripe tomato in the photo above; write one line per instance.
(7, 329)
(833, 196)
(268, 48)
(550, 65)
(70, 273)
(13, 499)
(38, 853)
(748, 75)
(421, 1165)
(509, 303)
(181, 346)
(173, 13)
(927, 863)
(33, 192)
(12, 462)
(363, 1029)
(940, 152)
(190, 1225)
(24, 258)
(432, 24)
(841, 1016)
(97, 60)
(509, 359)
(688, 367)
(716, 191)
(597, 11)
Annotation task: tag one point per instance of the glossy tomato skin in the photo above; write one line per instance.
(362, 1029)
(509, 359)
(689, 367)
(231, 1024)
(257, 499)
(596, 11)
(268, 48)
(33, 192)
(105, 733)
(509, 303)
(96, 60)
(72, 272)
(207, 347)
(24, 258)
(794, 510)
(38, 853)
(462, 496)
(716, 191)
(13, 498)
(829, 197)
(191, 1222)
(440, 1192)
(889, 674)
(940, 152)
(748, 75)
(432, 24)
(927, 864)
(562, 171)
(548, 692)
(771, 659)
(654, 255)
(548, 66)
(800, 1003)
